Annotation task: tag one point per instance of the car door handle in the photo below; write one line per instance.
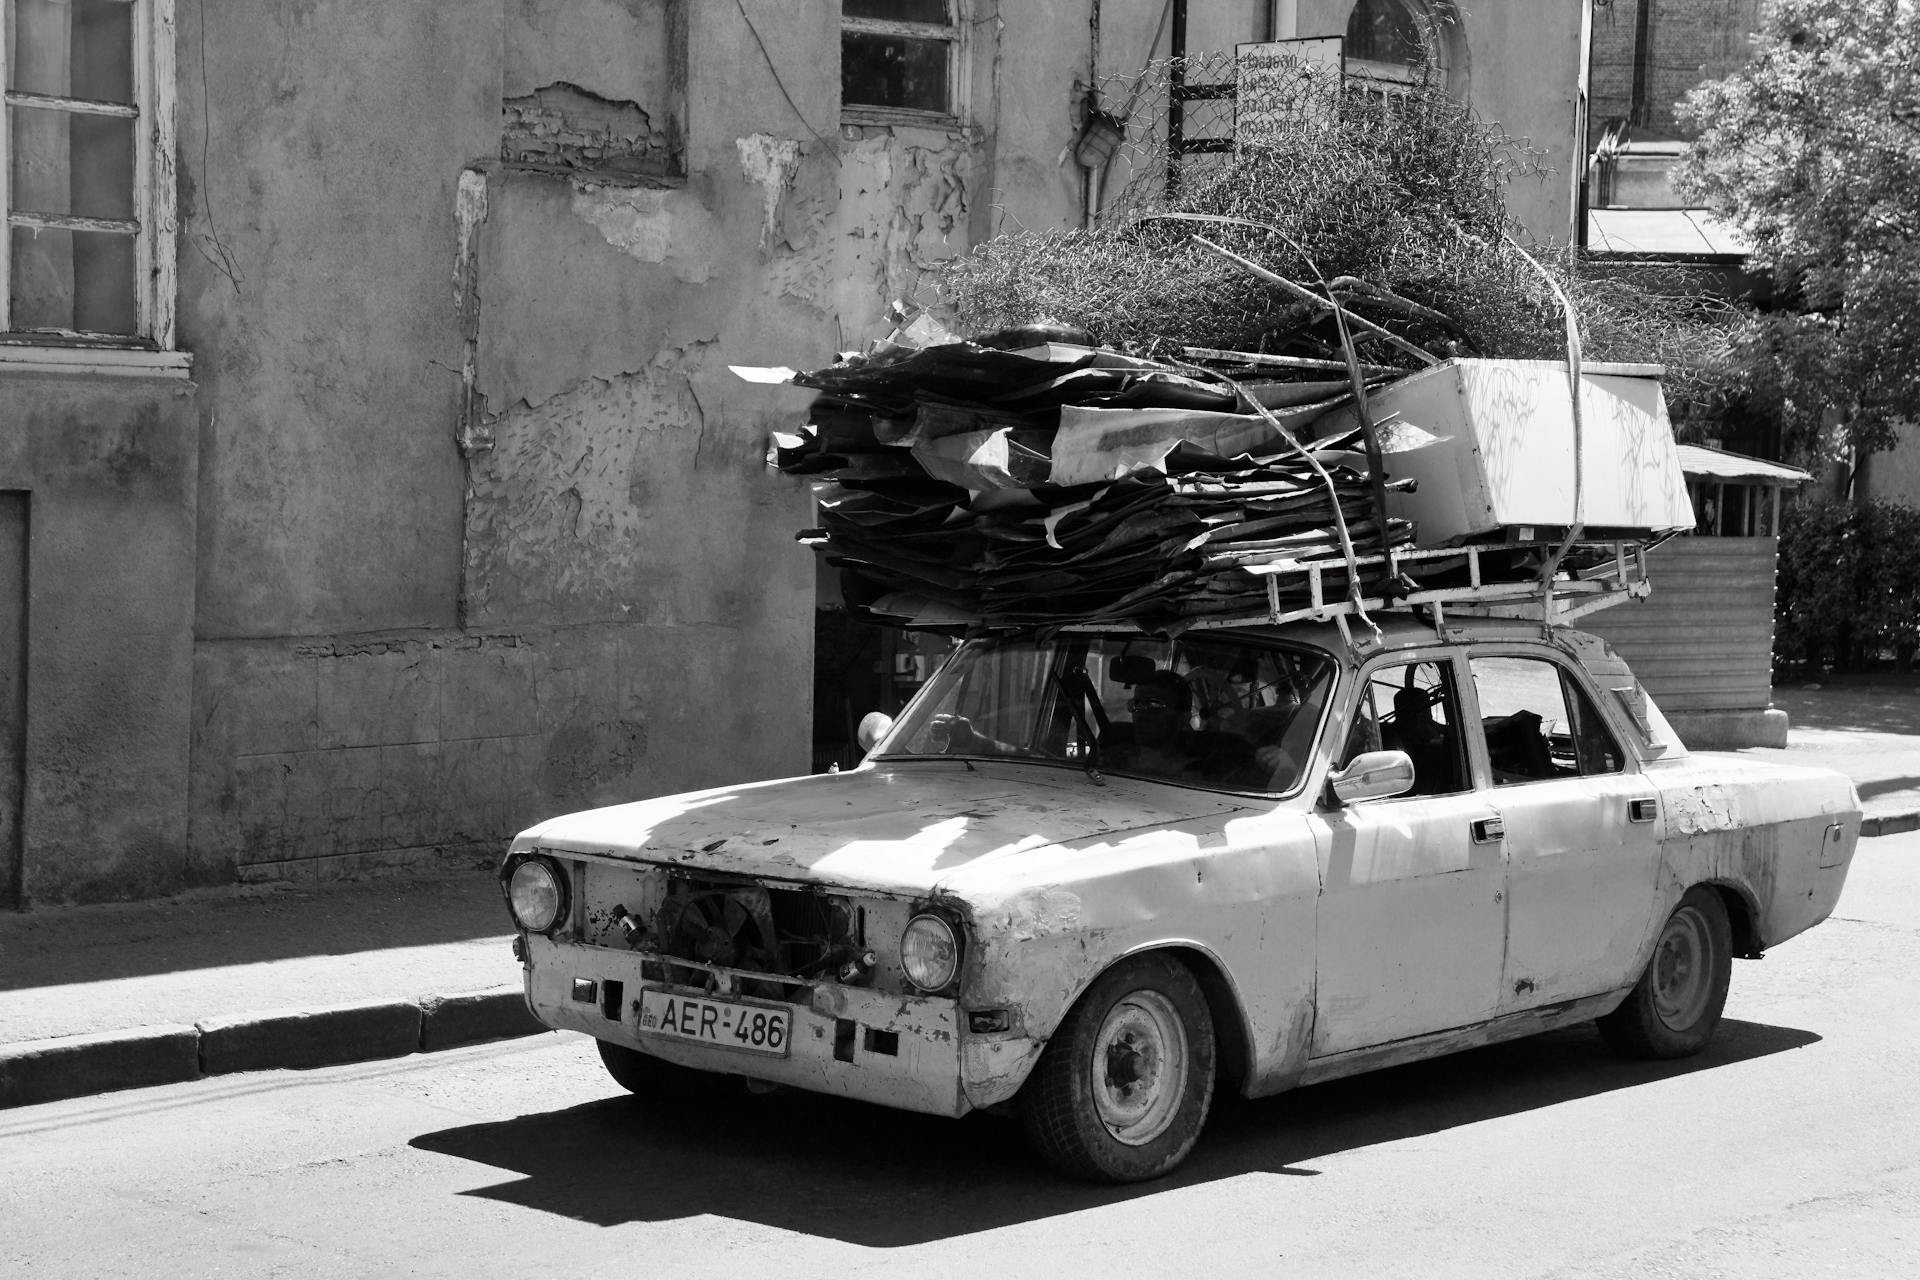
(1489, 830)
(1645, 809)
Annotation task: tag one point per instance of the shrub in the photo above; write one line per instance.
(1848, 591)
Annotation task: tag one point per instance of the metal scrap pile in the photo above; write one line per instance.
(1023, 479)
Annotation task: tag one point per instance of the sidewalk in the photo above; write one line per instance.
(247, 979)
(250, 978)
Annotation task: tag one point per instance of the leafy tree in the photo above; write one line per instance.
(1813, 150)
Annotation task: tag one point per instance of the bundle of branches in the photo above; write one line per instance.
(1019, 479)
(1398, 205)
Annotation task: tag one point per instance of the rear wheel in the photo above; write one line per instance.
(650, 1077)
(1122, 1089)
(1676, 1005)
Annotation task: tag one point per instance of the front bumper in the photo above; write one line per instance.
(899, 1051)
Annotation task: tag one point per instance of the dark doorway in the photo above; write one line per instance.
(13, 691)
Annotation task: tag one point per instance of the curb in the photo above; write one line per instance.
(35, 1071)
(1890, 824)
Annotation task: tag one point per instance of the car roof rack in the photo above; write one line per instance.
(1612, 570)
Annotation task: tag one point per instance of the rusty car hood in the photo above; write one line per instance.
(902, 829)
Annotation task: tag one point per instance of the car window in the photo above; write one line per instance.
(1209, 710)
(1539, 723)
(1413, 707)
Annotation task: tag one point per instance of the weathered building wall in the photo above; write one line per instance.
(615, 201)
(100, 473)
(317, 174)
(483, 529)
(315, 184)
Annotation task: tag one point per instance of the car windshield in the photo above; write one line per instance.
(1209, 710)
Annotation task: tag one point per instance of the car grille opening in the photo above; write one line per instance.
(796, 934)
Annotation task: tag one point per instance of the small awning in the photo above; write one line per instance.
(1717, 464)
(1676, 233)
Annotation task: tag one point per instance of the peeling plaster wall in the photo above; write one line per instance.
(563, 126)
(595, 84)
(903, 200)
(627, 498)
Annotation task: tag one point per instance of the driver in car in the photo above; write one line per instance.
(1164, 741)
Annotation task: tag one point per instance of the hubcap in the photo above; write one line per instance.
(1139, 1067)
(1682, 970)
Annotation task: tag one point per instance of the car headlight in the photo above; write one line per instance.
(537, 895)
(929, 952)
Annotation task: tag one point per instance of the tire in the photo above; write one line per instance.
(1122, 1089)
(1674, 1008)
(646, 1076)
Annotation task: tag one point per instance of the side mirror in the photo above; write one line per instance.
(1371, 776)
(874, 726)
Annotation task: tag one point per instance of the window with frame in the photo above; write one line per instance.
(87, 255)
(1539, 723)
(1413, 707)
(899, 56)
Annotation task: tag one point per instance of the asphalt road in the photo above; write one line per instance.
(1791, 1148)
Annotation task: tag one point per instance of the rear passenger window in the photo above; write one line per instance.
(1539, 723)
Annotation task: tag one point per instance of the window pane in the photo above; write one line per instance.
(72, 165)
(73, 49)
(898, 10)
(1529, 733)
(1594, 742)
(72, 280)
(889, 71)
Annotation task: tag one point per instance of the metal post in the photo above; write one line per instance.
(1177, 100)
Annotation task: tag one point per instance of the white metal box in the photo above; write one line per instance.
(1491, 445)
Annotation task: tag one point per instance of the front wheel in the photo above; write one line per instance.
(1676, 1005)
(646, 1076)
(1123, 1087)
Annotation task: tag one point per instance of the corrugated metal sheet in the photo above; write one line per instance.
(1703, 640)
(1697, 460)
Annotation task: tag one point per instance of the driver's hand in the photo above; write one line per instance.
(947, 732)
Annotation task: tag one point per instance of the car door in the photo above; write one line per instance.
(1411, 923)
(1583, 830)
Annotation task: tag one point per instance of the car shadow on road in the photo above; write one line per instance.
(884, 1179)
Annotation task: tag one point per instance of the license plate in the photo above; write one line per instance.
(752, 1027)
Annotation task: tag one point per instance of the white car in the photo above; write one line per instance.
(1093, 876)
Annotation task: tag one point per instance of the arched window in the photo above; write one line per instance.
(1403, 41)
